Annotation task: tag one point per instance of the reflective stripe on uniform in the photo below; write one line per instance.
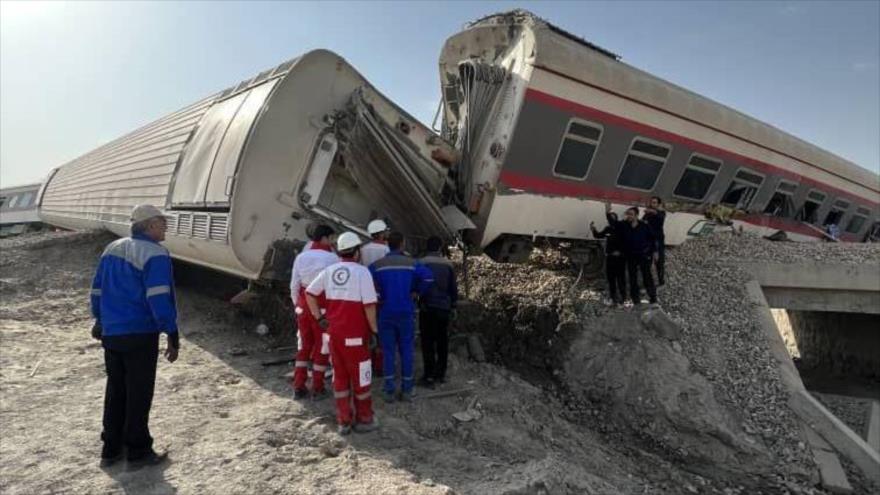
(302, 364)
(319, 367)
(364, 396)
(159, 289)
(340, 394)
(395, 267)
(96, 292)
(354, 342)
(407, 378)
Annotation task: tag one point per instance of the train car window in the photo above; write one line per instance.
(26, 200)
(577, 149)
(643, 164)
(781, 204)
(697, 177)
(835, 215)
(12, 202)
(2, 201)
(809, 212)
(857, 221)
(742, 189)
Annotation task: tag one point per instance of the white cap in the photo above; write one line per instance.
(347, 241)
(145, 212)
(376, 226)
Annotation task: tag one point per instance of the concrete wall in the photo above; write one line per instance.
(842, 343)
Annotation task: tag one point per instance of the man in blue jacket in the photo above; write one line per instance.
(133, 301)
(399, 280)
(437, 308)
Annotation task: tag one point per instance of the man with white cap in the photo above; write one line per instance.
(350, 321)
(378, 247)
(133, 301)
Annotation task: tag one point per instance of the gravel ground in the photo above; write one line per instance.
(851, 410)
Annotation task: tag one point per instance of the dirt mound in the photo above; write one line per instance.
(642, 384)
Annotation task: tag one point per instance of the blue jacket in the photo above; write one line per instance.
(397, 277)
(443, 293)
(133, 289)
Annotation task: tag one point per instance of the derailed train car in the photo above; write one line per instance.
(550, 127)
(243, 173)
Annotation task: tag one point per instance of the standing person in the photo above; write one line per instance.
(311, 350)
(350, 321)
(615, 263)
(655, 216)
(437, 308)
(639, 247)
(399, 279)
(133, 301)
(377, 248)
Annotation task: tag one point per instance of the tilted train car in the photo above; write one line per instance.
(244, 172)
(551, 127)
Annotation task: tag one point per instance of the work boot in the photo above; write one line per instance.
(407, 396)
(367, 427)
(343, 429)
(320, 395)
(388, 396)
(426, 382)
(300, 394)
(152, 458)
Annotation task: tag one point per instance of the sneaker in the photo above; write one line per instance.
(110, 461)
(367, 427)
(320, 395)
(388, 397)
(407, 396)
(153, 458)
(300, 394)
(426, 382)
(343, 429)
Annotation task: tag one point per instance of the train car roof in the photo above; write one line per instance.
(557, 49)
(21, 188)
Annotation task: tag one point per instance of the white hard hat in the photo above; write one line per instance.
(347, 241)
(145, 212)
(376, 226)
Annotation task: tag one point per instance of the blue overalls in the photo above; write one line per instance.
(398, 278)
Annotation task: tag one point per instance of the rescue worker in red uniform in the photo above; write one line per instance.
(350, 321)
(311, 349)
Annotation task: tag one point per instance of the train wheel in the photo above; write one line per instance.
(589, 259)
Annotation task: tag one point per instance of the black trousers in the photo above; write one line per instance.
(130, 361)
(660, 264)
(634, 265)
(434, 330)
(615, 272)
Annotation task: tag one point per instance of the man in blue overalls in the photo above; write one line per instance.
(399, 279)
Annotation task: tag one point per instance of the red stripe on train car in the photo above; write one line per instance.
(661, 135)
(540, 185)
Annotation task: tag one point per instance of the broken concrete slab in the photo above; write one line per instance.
(872, 435)
(840, 436)
(831, 472)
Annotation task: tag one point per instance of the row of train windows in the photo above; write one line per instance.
(646, 158)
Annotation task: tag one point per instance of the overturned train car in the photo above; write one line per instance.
(244, 173)
(550, 127)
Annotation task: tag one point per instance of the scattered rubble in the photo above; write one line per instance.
(573, 397)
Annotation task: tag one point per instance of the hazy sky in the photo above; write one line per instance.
(75, 75)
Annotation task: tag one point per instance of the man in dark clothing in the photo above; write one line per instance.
(132, 300)
(437, 307)
(615, 263)
(655, 216)
(639, 247)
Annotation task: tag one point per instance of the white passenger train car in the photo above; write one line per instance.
(551, 127)
(244, 172)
